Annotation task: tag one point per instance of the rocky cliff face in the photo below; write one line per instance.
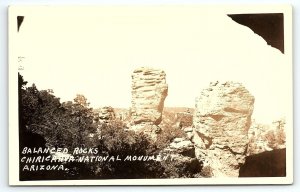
(221, 121)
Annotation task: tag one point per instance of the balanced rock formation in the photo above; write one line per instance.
(149, 90)
(221, 121)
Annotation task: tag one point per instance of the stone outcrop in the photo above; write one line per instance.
(266, 137)
(106, 114)
(149, 90)
(189, 132)
(181, 146)
(147, 128)
(182, 154)
(103, 115)
(221, 121)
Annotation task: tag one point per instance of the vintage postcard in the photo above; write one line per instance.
(150, 95)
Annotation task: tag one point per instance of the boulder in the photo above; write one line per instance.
(182, 162)
(106, 114)
(189, 132)
(147, 128)
(149, 90)
(221, 121)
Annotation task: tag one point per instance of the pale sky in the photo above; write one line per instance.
(94, 52)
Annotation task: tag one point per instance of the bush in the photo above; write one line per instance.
(181, 168)
(206, 172)
(45, 122)
(117, 141)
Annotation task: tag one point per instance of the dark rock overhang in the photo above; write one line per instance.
(267, 25)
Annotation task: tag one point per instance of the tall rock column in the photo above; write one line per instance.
(149, 90)
(221, 121)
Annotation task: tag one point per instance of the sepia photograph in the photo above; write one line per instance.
(150, 95)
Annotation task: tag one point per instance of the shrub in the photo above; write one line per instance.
(117, 141)
(206, 172)
(181, 168)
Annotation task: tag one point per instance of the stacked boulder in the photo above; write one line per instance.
(149, 90)
(221, 121)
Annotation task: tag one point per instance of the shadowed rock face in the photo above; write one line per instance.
(266, 164)
(269, 26)
(149, 90)
(221, 121)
